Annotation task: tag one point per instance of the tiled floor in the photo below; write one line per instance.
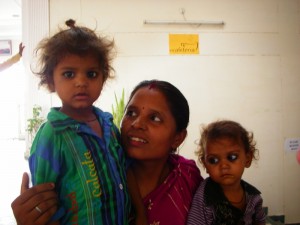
(12, 166)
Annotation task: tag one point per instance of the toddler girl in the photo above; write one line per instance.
(226, 149)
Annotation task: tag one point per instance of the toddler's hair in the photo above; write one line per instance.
(226, 129)
(77, 40)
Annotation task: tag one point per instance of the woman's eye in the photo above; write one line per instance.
(232, 157)
(155, 118)
(130, 113)
(212, 160)
(92, 74)
(68, 74)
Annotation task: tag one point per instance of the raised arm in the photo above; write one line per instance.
(21, 48)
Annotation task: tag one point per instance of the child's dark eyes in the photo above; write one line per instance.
(92, 74)
(215, 160)
(232, 157)
(71, 74)
(68, 74)
(212, 160)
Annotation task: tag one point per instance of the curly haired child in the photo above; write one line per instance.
(78, 147)
(226, 149)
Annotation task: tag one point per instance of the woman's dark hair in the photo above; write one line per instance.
(178, 104)
(76, 40)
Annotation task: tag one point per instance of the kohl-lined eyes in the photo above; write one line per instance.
(232, 157)
(213, 160)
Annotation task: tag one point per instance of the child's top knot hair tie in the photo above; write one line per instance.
(70, 23)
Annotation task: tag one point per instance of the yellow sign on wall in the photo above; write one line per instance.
(187, 44)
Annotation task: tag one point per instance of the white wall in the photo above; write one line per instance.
(247, 70)
(35, 24)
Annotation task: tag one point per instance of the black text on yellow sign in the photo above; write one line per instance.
(183, 44)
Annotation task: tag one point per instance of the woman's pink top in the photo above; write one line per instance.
(170, 202)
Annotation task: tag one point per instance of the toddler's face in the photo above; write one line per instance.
(225, 161)
(78, 81)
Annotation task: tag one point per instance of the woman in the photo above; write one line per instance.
(153, 127)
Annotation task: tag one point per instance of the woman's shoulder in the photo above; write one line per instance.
(186, 169)
(183, 163)
(179, 159)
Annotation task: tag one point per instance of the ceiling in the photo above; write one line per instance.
(10, 19)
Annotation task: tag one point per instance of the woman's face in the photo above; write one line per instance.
(148, 128)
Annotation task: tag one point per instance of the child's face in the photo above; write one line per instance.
(225, 161)
(78, 81)
(148, 127)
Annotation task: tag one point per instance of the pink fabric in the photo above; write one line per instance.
(169, 203)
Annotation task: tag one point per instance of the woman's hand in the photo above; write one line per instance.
(35, 205)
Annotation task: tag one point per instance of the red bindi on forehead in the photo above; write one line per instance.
(152, 85)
